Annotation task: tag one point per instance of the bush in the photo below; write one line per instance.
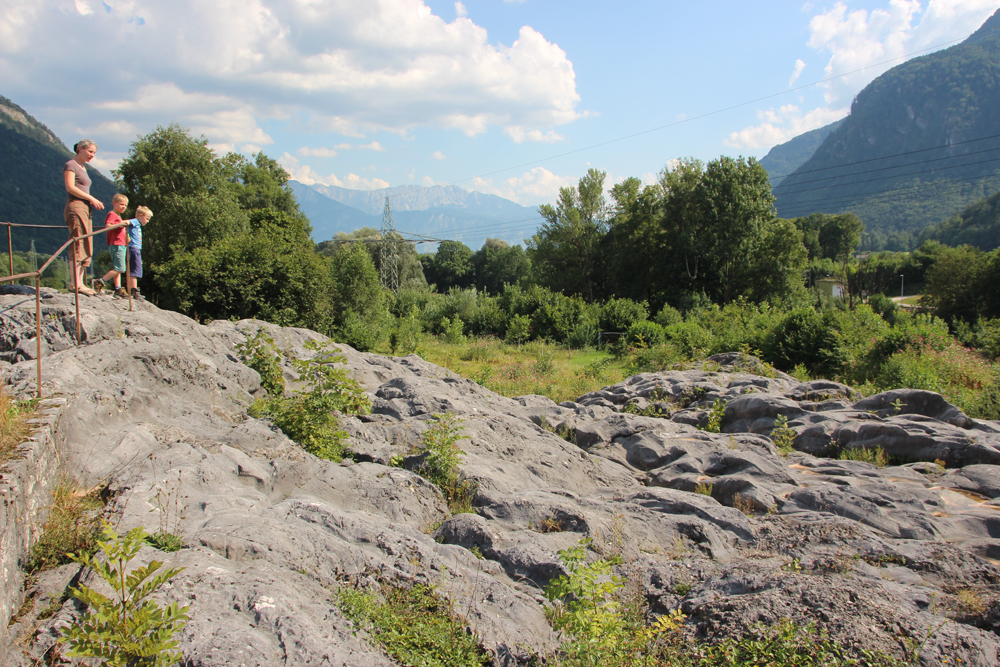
(439, 444)
(452, 331)
(309, 417)
(692, 340)
(583, 335)
(519, 329)
(558, 316)
(668, 315)
(259, 353)
(645, 334)
(620, 314)
(363, 333)
(739, 325)
(808, 338)
(884, 306)
(405, 337)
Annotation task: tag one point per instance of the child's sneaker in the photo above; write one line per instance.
(120, 293)
(136, 296)
(99, 285)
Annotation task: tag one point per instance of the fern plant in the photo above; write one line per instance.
(128, 629)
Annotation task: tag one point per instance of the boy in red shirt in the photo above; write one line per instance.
(116, 246)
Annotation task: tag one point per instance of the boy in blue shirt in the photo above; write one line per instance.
(142, 216)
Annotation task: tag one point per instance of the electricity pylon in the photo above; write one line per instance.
(389, 252)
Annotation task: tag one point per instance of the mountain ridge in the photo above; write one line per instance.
(919, 129)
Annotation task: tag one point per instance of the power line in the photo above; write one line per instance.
(805, 207)
(886, 157)
(878, 169)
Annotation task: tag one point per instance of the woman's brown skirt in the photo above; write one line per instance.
(77, 215)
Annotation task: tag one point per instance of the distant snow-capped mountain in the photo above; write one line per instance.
(443, 212)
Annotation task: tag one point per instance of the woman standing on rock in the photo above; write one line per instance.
(77, 211)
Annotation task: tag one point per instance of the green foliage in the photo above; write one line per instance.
(498, 264)
(692, 340)
(786, 645)
(259, 353)
(414, 626)
(809, 338)
(309, 417)
(783, 436)
(620, 314)
(715, 415)
(584, 604)
(405, 337)
(667, 316)
(875, 455)
(451, 267)
(565, 252)
(518, 330)
(442, 455)
(645, 334)
(360, 311)
(453, 330)
(168, 542)
(978, 225)
(129, 628)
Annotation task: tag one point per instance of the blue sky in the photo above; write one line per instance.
(515, 98)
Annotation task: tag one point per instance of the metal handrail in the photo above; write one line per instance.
(37, 275)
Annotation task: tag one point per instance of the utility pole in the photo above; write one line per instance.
(389, 252)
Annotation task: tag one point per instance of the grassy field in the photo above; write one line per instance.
(532, 368)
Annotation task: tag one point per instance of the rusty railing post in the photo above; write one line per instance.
(10, 251)
(38, 330)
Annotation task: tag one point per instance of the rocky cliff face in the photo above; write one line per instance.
(883, 558)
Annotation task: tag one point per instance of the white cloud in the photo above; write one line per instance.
(427, 182)
(373, 146)
(799, 66)
(519, 135)
(317, 152)
(437, 155)
(533, 187)
(349, 67)
(303, 173)
(856, 40)
(460, 10)
(781, 125)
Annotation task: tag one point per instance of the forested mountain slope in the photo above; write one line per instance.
(921, 143)
(31, 187)
(978, 225)
(785, 158)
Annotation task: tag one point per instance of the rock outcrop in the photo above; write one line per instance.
(719, 525)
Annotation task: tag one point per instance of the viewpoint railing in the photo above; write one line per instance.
(37, 275)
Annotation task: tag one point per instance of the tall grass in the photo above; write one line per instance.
(14, 416)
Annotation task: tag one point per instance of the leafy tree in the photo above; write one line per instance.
(452, 266)
(497, 264)
(635, 243)
(360, 310)
(193, 195)
(956, 284)
(564, 253)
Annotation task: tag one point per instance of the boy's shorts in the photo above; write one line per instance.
(135, 262)
(117, 257)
